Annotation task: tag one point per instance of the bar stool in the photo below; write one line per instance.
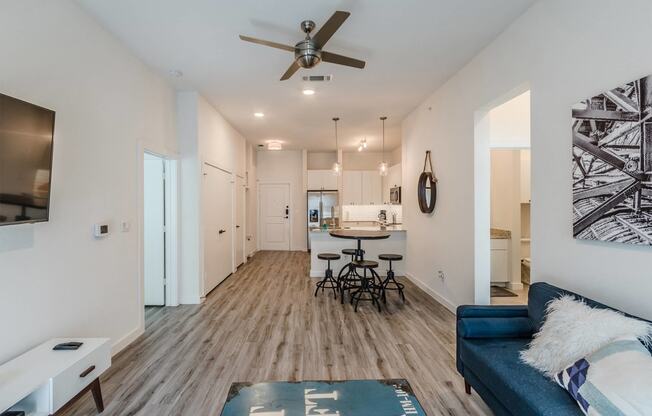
(348, 279)
(328, 282)
(367, 290)
(390, 279)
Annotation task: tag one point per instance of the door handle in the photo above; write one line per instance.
(237, 226)
(222, 231)
(287, 210)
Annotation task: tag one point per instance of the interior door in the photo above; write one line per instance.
(274, 216)
(218, 226)
(239, 221)
(154, 230)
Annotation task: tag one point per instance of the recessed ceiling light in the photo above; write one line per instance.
(259, 115)
(308, 91)
(274, 145)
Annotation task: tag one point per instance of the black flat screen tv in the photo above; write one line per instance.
(26, 142)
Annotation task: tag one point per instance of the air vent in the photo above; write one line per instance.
(317, 78)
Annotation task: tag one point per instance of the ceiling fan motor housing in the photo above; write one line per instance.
(307, 54)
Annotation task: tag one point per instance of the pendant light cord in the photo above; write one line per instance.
(383, 118)
(336, 119)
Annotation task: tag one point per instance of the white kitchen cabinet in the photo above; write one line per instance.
(526, 195)
(361, 187)
(352, 187)
(321, 179)
(371, 188)
(500, 260)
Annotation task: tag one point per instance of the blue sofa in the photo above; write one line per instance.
(489, 339)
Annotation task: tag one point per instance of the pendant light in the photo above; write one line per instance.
(382, 166)
(337, 168)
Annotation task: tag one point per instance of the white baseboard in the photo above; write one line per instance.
(124, 342)
(451, 306)
(191, 300)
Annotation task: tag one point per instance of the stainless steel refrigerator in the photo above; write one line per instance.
(323, 208)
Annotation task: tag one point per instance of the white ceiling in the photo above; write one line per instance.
(411, 47)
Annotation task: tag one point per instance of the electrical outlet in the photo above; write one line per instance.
(440, 274)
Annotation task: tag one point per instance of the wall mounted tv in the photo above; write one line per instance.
(26, 139)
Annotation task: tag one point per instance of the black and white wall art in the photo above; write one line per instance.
(612, 165)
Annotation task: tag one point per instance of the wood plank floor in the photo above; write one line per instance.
(263, 324)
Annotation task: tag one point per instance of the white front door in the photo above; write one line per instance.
(217, 226)
(239, 221)
(274, 206)
(154, 230)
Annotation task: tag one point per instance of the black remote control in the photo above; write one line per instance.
(67, 346)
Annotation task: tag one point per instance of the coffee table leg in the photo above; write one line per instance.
(97, 395)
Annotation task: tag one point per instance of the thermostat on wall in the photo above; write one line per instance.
(100, 230)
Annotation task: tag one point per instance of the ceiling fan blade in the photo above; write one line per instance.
(267, 43)
(330, 27)
(291, 70)
(341, 60)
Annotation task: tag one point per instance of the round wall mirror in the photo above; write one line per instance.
(427, 192)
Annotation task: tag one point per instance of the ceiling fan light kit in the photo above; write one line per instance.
(309, 52)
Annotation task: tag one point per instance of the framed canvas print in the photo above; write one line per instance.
(612, 165)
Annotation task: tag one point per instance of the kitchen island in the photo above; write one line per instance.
(322, 242)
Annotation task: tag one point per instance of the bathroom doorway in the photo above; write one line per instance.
(503, 150)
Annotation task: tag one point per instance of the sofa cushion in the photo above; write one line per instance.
(520, 388)
(541, 293)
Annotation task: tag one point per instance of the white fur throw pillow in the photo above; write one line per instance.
(572, 330)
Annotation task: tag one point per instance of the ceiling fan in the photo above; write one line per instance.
(308, 52)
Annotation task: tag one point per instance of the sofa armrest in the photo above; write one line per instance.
(491, 322)
(492, 327)
(502, 311)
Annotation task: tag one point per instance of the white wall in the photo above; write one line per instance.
(321, 160)
(204, 137)
(251, 201)
(287, 166)
(540, 52)
(509, 123)
(55, 279)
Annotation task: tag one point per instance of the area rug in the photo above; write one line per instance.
(324, 398)
(501, 292)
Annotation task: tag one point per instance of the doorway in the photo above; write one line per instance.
(274, 216)
(503, 201)
(154, 230)
(218, 226)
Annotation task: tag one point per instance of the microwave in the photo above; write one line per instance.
(395, 195)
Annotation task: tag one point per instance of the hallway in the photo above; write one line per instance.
(263, 324)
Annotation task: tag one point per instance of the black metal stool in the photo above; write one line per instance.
(390, 279)
(348, 279)
(367, 289)
(328, 282)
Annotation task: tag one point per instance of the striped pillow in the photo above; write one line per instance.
(615, 380)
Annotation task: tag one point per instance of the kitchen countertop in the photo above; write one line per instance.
(388, 228)
(498, 234)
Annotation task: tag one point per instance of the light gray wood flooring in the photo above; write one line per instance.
(263, 324)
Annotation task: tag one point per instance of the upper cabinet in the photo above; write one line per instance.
(361, 187)
(322, 180)
(371, 187)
